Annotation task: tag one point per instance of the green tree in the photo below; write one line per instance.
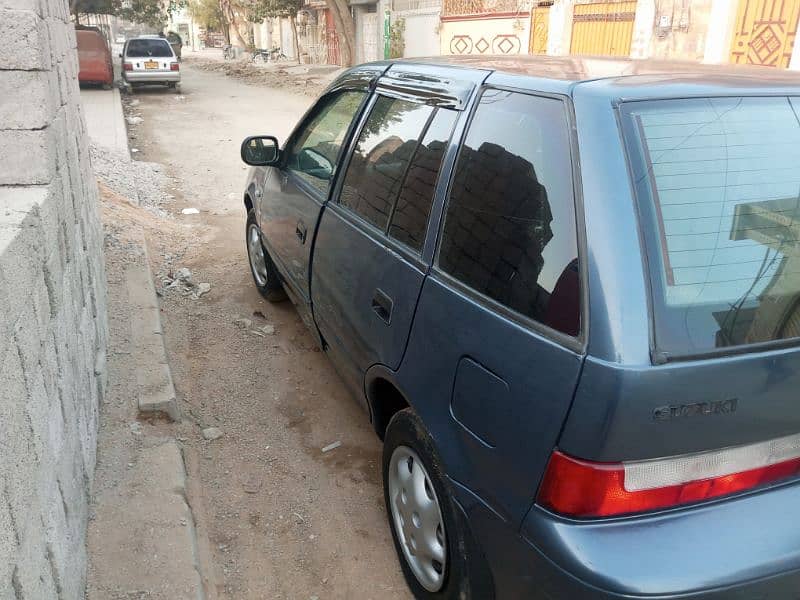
(149, 12)
(208, 14)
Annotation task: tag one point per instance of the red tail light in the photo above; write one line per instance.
(174, 67)
(127, 66)
(581, 488)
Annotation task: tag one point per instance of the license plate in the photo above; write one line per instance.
(150, 64)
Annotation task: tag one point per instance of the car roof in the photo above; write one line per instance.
(621, 77)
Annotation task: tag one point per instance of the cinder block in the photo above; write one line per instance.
(32, 90)
(9, 545)
(34, 6)
(20, 263)
(27, 157)
(26, 46)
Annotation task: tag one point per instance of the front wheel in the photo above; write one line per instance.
(265, 275)
(437, 553)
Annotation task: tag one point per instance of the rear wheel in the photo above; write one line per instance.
(265, 275)
(439, 558)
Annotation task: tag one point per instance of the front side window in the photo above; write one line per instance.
(510, 230)
(313, 153)
(381, 158)
(718, 187)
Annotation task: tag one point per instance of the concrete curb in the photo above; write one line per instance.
(153, 375)
(105, 119)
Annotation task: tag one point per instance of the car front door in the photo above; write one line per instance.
(294, 193)
(368, 268)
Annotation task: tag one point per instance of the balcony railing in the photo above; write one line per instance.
(454, 8)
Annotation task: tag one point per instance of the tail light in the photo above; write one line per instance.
(127, 66)
(174, 66)
(581, 488)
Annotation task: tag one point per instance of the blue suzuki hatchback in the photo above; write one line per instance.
(563, 290)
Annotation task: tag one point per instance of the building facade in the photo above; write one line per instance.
(755, 32)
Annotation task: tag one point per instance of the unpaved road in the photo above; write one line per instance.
(276, 517)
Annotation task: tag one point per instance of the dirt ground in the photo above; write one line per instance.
(307, 80)
(276, 517)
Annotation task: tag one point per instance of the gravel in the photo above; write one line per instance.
(140, 182)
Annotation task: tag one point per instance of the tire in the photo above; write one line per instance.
(263, 270)
(463, 573)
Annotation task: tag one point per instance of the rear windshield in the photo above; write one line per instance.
(144, 48)
(718, 187)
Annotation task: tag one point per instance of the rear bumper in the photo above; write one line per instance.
(151, 77)
(739, 549)
(96, 74)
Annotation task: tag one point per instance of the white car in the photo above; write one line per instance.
(150, 60)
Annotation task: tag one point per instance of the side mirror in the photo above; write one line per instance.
(260, 150)
(120, 54)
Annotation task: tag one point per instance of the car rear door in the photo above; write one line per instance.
(368, 264)
(496, 347)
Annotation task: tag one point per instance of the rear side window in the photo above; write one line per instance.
(510, 230)
(384, 150)
(718, 186)
(156, 48)
(410, 218)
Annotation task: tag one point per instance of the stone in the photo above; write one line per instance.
(243, 323)
(332, 446)
(212, 433)
(268, 329)
(202, 289)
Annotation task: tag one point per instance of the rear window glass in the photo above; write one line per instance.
(147, 48)
(718, 186)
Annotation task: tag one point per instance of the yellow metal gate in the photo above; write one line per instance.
(603, 28)
(765, 32)
(540, 23)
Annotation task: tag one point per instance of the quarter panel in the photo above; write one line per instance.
(540, 374)
(618, 299)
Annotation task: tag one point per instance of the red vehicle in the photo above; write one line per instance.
(94, 58)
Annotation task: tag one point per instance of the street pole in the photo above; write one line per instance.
(387, 34)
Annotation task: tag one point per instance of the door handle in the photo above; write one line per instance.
(301, 231)
(382, 306)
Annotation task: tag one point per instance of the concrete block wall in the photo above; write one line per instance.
(53, 329)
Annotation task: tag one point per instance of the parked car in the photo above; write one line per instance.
(150, 60)
(563, 290)
(94, 58)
